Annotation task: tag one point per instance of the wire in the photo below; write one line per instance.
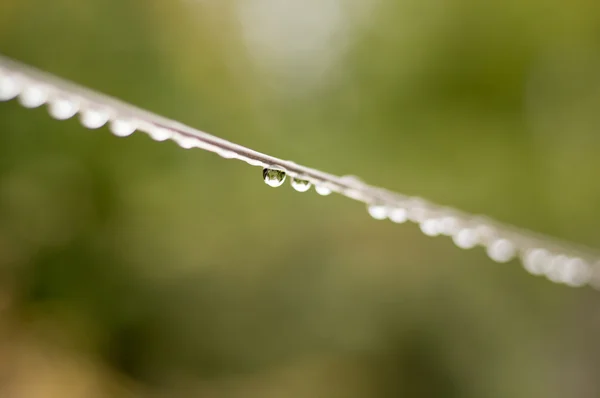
(559, 261)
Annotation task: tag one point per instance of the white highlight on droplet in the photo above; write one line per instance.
(274, 176)
(184, 141)
(398, 215)
(300, 185)
(122, 127)
(61, 108)
(537, 261)
(227, 154)
(377, 211)
(430, 227)
(577, 272)
(9, 86)
(557, 267)
(94, 118)
(33, 95)
(322, 190)
(253, 162)
(501, 250)
(159, 134)
(466, 238)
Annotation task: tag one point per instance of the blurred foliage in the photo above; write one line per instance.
(130, 268)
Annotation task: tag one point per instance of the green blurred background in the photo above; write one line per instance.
(130, 268)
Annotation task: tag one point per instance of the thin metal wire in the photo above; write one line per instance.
(560, 261)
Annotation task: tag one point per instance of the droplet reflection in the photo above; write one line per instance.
(377, 211)
(274, 177)
(300, 185)
(322, 190)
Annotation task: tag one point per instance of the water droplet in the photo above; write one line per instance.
(9, 86)
(536, 261)
(501, 250)
(378, 211)
(300, 185)
(253, 162)
(273, 177)
(224, 153)
(322, 190)
(62, 108)
(465, 238)
(33, 96)
(430, 227)
(122, 127)
(557, 268)
(94, 118)
(159, 134)
(398, 215)
(577, 272)
(184, 141)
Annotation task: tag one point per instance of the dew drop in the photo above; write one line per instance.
(224, 153)
(322, 190)
(94, 118)
(184, 141)
(465, 238)
(536, 261)
(556, 270)
(501, 250)
(398, 215)
(62, 108)
(377, 211)
(274, 177)
(577, 272)
(430, 227)
(9, 86)
(159, 134)
(300, 185)
(122, 127)
(33, 96)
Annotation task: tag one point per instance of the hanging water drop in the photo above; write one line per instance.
(430, 227)
(322, 190)
(33, 96)
(300, 185)
(536, 261)
(122, 127)
(465, 238)
(398, 215)
(159, 134)
(273, 177)
(94, 118)
(501, 250)
(378, 211)
(556, 269)
(184, 141)
(577, 272)
(62, 108)
(9, 86)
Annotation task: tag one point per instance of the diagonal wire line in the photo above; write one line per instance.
(559, 261)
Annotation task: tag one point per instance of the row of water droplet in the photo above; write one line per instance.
(554, 264)
(275, 177)
(63, 105)
(558, 267)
